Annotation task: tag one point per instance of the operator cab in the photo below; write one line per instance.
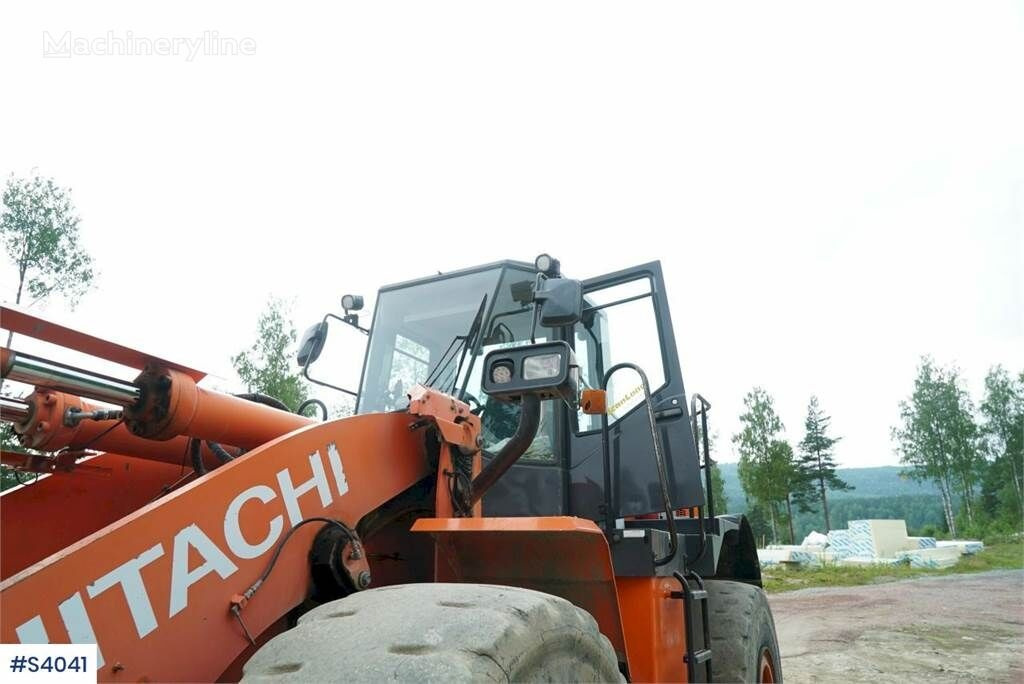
(436, 332)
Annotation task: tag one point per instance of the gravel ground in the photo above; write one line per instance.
(953, 628)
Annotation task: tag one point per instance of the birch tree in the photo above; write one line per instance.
(937, 438)
(39, 231)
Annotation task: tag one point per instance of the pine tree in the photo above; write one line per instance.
(817, 470)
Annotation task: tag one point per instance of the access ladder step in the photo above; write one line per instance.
(699, 594)
(701, 656)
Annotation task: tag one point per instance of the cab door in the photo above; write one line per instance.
(626, 319)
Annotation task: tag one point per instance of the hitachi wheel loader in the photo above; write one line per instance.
(518, 496)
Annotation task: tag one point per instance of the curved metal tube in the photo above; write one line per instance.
(529, 422)
(659, 459)
(708, 511)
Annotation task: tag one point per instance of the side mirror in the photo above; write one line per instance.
(561, 301)
(312, 344)
(341, 366)
(547, 370)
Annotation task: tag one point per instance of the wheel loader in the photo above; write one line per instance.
(522, 493)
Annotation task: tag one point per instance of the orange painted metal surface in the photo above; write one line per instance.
(454, 421)
(458, 428)
(153, 588)
(180, 407)
(564, 556)
(41, 518)
(653, 624)
(594, 402)
(21, 322)
(46, 431)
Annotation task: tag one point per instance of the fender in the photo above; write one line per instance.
(737, 558)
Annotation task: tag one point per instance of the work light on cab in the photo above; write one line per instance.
(546, 370)
(541, 366)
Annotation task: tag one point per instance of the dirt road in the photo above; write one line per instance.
(954, 628)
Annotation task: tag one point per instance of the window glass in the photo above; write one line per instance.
(509, 326)
(418, 334)
(619, 326)
(410, 364)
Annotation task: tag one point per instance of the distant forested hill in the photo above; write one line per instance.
(873, 482)
(879, 492)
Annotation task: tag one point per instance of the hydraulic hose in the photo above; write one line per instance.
(264, 399)
(220, 452)
(313, 402)
(195, 451)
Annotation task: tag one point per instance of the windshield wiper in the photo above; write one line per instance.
(458, 348)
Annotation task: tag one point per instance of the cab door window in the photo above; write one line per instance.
(619, 325)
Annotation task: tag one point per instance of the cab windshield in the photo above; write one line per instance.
(436, 333)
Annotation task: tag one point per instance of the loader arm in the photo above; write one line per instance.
(166, 577)
(154, 589)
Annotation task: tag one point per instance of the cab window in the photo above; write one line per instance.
(619, 325)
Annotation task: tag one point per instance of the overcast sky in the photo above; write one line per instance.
(833, 190)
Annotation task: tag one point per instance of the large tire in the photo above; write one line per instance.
(743, 641)
(440, 633)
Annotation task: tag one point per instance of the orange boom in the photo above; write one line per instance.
(481, 515)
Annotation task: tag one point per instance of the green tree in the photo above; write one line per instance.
(816, 467)
(938, 438)
(9, 442)
(267, 366)
(762, 470)
(786, 479)
(717, 481)
(718, 490)
(39, 230)
(1003, 432)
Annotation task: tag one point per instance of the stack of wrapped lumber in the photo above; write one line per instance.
(966, 547)
(870, 542)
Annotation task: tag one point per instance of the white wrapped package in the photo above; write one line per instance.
(940, 557)
(815, 539)
(923, 542)
(966, 547)
(773, 556)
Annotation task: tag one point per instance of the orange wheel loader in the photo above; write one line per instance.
(518, 496)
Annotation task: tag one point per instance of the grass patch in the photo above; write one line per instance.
(1002, 556)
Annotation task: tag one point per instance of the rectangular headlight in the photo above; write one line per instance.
(542, 366)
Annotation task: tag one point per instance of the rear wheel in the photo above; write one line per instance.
(744, 647)
(440, 632)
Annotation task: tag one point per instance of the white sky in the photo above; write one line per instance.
(833, 190)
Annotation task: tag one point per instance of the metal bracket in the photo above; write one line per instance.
(456, 423)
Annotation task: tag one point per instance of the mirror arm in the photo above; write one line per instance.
(305, 374)
(353, 320)
(309, 360)
(516, 446)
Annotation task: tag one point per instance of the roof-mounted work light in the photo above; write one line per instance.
(548, 265)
